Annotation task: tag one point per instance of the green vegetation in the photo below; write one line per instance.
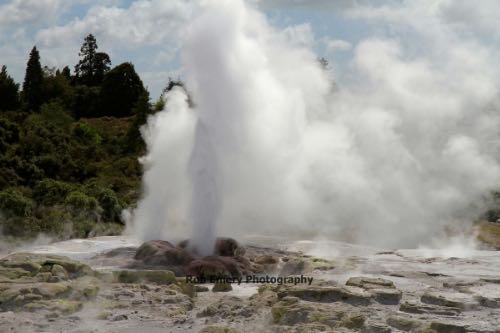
(69, 146)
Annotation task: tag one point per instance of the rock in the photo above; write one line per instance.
(447, 328)
(13, 273)
(55, 305)
(85, 288)
(188, 289)
(375, 328)
(370, 283)
(225, 247)
(488, 302)
(295, 267)
(119, 317)
(291, 313)
(354, 322)
(412, 307)
(222, 287)
(135, 276)
(52, 290)
(403, 324)
(218, 329)
(162, 253)
(33, 263)
(321, 264)
(265, 298)
(490, 280)
(386, 296)
(215, 266)
(228, 307)
(201, 289)
(59, 271)
(328, 295)
(464, 303)
(266, 260)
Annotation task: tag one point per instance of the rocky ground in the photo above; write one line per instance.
(355, 289)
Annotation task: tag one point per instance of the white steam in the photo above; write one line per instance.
(404, 148)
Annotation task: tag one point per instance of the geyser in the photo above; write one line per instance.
(391, 157)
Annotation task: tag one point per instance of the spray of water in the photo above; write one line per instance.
(402, 149)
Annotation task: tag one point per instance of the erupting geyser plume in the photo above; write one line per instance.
(405, 147)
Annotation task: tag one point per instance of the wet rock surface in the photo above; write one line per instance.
(362, 290)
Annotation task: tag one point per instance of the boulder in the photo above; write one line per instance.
(224, 246)
(216, 266)
(163, 253)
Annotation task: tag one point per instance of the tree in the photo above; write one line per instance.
(9, 91)
(57, 87)
(33, 81)
(141, 110)
(120, 91)
(93, 65)
(66, 73)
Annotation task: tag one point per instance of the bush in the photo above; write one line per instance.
(80, 201)
(87, 134)
(50, 192)
(55, 114)
(111, 205)
(14, 204)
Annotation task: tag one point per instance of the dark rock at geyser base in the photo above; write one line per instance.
(224, 263)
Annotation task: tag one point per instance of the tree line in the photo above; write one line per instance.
(69, 145)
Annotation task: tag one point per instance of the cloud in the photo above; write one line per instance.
(333, 45)
(33, 12)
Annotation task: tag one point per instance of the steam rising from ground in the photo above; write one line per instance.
(402, 149)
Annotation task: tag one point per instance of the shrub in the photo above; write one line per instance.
(14, 204)
(87, 133)
(50, 192)
(81, 201)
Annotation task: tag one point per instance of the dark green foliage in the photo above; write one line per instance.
(66, 72)
(93, 65)
(58, 87)
(87, 134)
(33, 82)
(121, 90)
(141, 110)
(14, 203)
(50, 192)
(71, 167)
(86, 102)
(9, 91)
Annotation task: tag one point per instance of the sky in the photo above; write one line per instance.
(149, 32)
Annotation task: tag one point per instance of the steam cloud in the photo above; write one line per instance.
(403, 148)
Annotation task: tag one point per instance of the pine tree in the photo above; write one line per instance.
(9, 91)
(33, 81)
(93, 65)
(66, 73)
